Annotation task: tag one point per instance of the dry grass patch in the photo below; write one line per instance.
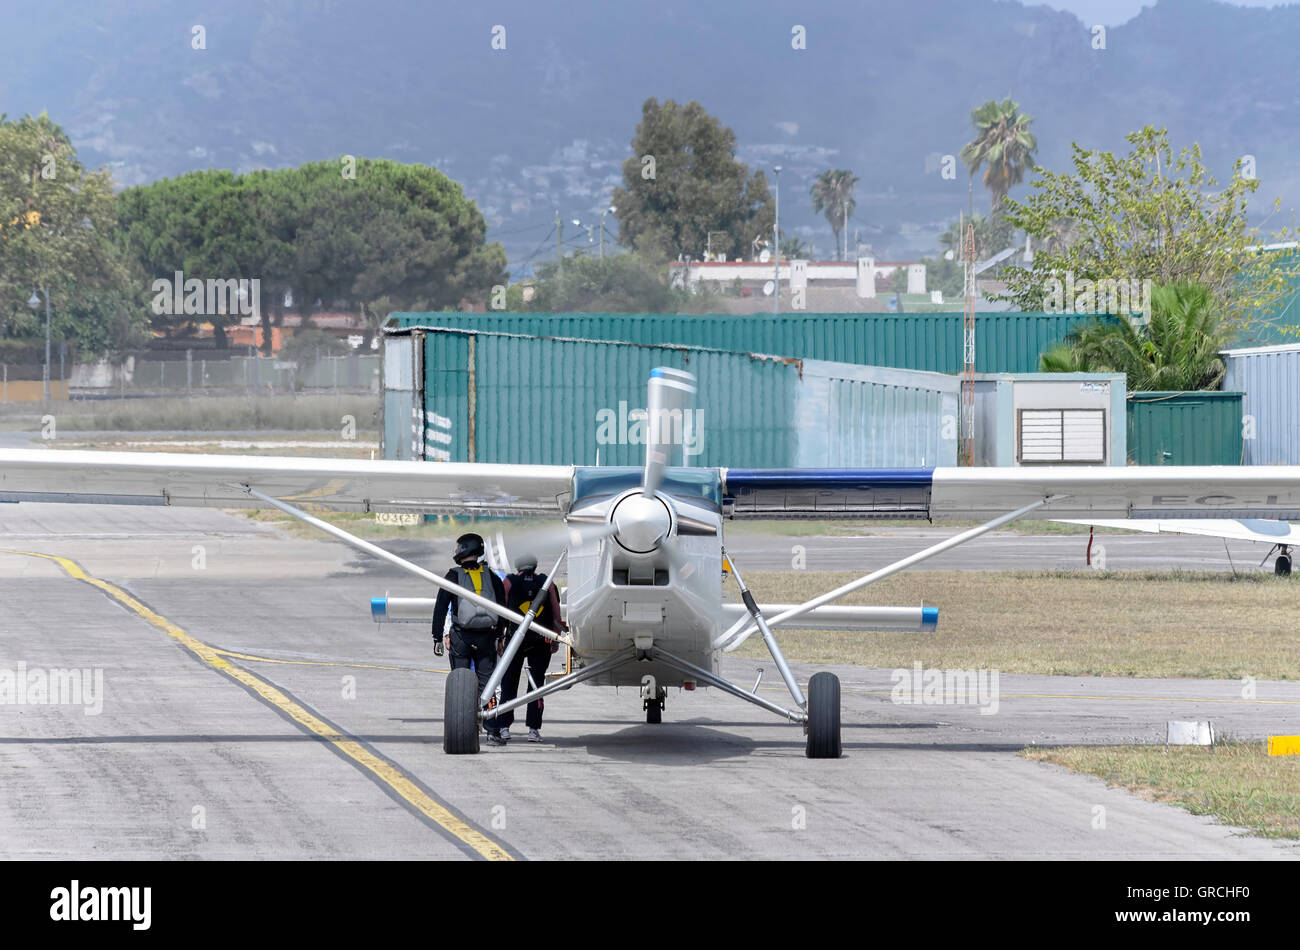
(1118, 623)
(1236, 782)
(294, 444)
(201, 412)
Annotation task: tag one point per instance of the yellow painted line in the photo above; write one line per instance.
(376, 766)
(1284, 745)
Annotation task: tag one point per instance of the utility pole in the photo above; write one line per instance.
(846, 230)
(610, 210)
(776, 248)
(968, 347)
(559, 241)
(45, 291)
(35, 304)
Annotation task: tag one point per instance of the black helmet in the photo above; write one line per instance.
(468, 546)
(526, 563)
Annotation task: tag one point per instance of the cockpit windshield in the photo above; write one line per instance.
(693, 483)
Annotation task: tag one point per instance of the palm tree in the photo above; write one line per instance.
(793, 248)
(1003, 145)
(1177, 351)
(832, 195)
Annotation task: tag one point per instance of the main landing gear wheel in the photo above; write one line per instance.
(1282, 566)
(460, 730)
(654, 708)
(824, 716)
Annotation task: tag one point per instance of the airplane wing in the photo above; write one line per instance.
(1238, 529)
(938, 494)
(140, 478)
(949, 494)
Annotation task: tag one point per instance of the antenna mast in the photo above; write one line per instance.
(968, 371)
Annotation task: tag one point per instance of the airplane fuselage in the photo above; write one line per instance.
(658, 575)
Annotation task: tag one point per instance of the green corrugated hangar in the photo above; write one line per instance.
(799, 391)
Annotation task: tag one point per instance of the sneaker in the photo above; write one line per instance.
(504, 733)
(534, 735)
(494, 738)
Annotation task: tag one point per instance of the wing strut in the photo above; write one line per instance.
(375, 550)
(778, 657)
(741, 631)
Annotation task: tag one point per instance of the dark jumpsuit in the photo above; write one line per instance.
(467, 645)
(536, 649)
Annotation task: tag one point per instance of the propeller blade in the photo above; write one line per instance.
(547, 540)
(670, 395)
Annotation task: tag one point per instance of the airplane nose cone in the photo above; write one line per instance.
(641, 523)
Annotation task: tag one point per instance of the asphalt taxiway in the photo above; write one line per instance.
(251, 708)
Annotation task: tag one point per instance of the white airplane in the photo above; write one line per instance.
(646, 555)
(1281, 536)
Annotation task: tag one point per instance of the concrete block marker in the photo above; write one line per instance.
(1189, 733)
(1284, 745)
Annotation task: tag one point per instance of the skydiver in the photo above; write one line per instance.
(522, 588)
(477, 635)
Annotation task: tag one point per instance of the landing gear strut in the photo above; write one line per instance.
(654, 706)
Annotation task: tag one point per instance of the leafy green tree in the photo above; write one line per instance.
(1145, 215)
(199, 224)
(683, 181)
(1003, 146)
(1177, 350)
(832, 196)
(419, 241)
(56, 227)
(389, 236)
(946, 275)
(991, 236)
(622, 283)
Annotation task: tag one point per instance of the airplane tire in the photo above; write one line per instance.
(460, 729)
(654, 713)
(1282, 566)
(824, 716)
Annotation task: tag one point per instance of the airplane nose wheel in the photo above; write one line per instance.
(654, 708)
(824, 716)
(1282, 566)
(460, 728)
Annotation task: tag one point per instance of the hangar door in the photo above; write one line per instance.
(1062, 435)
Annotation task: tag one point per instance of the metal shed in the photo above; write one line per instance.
(1050, 419)
(1006, 342)
(1184, 428)
(501, 397)
(1269, 378)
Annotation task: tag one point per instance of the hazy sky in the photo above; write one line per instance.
(1115, 12)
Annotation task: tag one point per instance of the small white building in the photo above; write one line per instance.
(862, 275)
